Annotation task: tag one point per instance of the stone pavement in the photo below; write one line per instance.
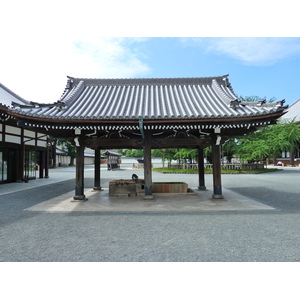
(55, 175)
(100, 201)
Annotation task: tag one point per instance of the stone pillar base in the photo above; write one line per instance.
(80, 198)
(202, 188)
(149, 198)
(98, 188)
(217, 196)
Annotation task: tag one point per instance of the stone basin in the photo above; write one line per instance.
(125, 188)
(169, 187)
(129, 187)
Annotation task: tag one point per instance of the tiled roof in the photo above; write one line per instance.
(112, 153)
(8, 97)
(293, 112)
(150, 98)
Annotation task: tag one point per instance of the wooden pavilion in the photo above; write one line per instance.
(147, 113)
(113, 159)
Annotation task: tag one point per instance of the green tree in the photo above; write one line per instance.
(269, 142)
(186, 154)
(287, 136)
(208, 154)
(69, 148)
(170, 154)
(156, 153)
(251, 147)
(229, 148)
(256, 99)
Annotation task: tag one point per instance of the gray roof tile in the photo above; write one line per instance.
(151, 98)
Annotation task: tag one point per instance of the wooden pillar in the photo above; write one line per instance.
(201, 169)
(79, 187)
(97, 170)
(53, 151)
(47, 161)
(41, 164)
(216, 157)
(21, 159)
(147, 167)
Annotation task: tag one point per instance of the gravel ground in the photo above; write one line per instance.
(241, 236)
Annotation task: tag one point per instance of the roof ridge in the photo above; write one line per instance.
(69, 98)
(228, 98)
(153, 80)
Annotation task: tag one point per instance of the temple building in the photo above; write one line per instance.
(23, 151)
(291, 158)
(145, 113)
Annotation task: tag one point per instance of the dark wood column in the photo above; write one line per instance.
(21, 159)
(216, 157)
(79, 187)
(201, 169)
(53, 151)
(47, 161)
(41, 164)
(148, 167)
(97, 170)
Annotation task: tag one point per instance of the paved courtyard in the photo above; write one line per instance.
(257, 221)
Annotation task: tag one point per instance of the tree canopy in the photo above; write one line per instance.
(268, 142)
(69, 148)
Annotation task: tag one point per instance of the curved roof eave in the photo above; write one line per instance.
(35, 119)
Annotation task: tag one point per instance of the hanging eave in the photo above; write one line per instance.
(50, 121)
(68, 127)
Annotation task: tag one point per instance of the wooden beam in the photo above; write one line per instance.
(138, 143)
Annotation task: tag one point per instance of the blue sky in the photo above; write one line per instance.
(265, 67)
(42, 44)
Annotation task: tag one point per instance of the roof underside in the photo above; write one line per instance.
(152, 99)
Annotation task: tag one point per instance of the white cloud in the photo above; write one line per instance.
(35, 67)
(43, 43)
(108, 57)
(251, 50)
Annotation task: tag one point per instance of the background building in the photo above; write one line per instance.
(291, 158)
(23, 153)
